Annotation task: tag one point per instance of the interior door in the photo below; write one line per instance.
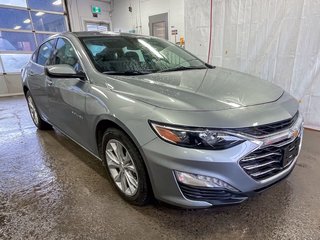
(159, 29)
(158, 25)
(68, 96)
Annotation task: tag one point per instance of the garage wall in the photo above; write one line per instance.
(277, 40)
(80, 11)
(125, 21)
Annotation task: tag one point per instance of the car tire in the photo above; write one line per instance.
(142, 194)
(36, 118)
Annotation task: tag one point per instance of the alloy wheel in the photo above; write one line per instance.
(121, 167)
(33, 111)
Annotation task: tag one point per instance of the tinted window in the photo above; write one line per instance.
(45, 52)
(65, 54)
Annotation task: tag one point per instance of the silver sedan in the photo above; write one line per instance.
(164, 123)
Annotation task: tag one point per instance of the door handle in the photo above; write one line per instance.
(31, 73)
(49, 82)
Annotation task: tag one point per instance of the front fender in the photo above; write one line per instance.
(130, 115)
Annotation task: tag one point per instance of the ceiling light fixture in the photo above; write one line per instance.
(27, 20)
(57, 2)
(17, 27)
(39, 14)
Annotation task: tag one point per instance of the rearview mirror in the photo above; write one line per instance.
(63, 71)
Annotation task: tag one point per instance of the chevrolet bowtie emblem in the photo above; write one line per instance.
(295, 133)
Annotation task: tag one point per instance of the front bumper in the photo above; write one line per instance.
(163, 158)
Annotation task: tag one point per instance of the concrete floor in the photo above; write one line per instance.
(50, 188)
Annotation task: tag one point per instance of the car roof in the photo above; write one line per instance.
(99, 34)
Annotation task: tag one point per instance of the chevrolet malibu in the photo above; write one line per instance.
(164, 123)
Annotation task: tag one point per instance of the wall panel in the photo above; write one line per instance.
(277, 40)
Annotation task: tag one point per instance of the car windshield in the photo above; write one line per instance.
(131, 55)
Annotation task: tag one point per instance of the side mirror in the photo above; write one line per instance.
(63, 71)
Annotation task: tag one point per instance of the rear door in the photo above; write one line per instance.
(37, 80)
(67, 97)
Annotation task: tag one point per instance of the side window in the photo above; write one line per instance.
(34, 56)
(44, 53)
(65, 54)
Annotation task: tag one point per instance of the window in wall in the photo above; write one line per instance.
(97, 26)
(16, 41)
(45, 52)
(24, 25)
(15, 19)
(49, 5)
(12, 63)
(18, 3)
(48, 22)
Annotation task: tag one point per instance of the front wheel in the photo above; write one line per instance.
(125, 167)
(40, 124)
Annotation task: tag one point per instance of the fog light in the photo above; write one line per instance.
(202, 181)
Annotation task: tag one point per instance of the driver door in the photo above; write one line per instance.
(67, 98)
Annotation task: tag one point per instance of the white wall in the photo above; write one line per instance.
(80, 11)
(124, 21)
(276, 40)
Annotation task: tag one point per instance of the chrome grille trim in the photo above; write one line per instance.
(251, 167)
(258, 157)
(258, 174)
(267, 161)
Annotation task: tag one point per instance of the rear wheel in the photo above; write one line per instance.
(125, 167)
(40, 124)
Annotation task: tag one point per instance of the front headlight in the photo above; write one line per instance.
(198, 138)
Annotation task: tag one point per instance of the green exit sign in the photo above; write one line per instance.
(95, 9)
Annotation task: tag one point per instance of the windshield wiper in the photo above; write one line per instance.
(127, 73)
(181, 68)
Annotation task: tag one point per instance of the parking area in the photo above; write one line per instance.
(50, 188)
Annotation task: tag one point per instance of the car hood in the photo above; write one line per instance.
(198, 90)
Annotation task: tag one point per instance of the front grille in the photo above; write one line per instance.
(208, 194)
(269, 128)
(268, 161)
